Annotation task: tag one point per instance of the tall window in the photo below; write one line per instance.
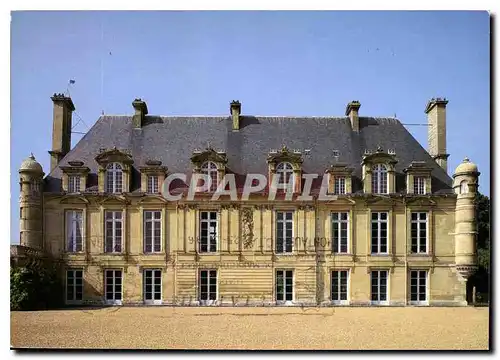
(210, 169)
(114, 231)
(152, 286)
(379, 179)
(114, 178)
(379, 233)
(284, 231)
(73, 183)
(340, 222)
(339, 185)
(379, 286)
(419, 232)
(284, 285)
(464, 189)
(339, 286)
(418, 285)
(419, 185)
(284, 172)
(74, 285)
(208, 231)
(208, 286)
(152, 231)
(74, 230)
(153, 185)
(113, 286)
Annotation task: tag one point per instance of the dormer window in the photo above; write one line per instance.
(418, 178)
(74, 179)
(210, 162)
(114, 178)
(339, 186)
(419, 185)
(115, 167)
(379, 179)
(464, 189)
(284, 172)
(152, 184)
(285, 167)
(378, 172)
(73, 183)
(210, 169)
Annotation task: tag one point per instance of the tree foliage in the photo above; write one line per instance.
(35, 286)
(481, 278)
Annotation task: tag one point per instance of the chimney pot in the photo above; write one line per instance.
(141, 110)
(61, 128)
(436, 117)
(352, 111)
(235, 109)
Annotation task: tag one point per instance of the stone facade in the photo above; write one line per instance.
(246, 260)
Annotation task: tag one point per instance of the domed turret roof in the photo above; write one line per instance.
(30, 164)
(466, 167)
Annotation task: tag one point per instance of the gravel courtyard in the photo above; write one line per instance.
(253, 328)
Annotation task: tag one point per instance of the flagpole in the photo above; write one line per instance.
(102, 68)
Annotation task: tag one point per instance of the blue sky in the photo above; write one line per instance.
(275, 63)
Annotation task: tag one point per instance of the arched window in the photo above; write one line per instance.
(379, 179)
(210, 169)
(284, 171)
(464, 189)
(114, 178)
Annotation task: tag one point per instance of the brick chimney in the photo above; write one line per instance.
(61, 130)
(235, 108)
(436, 118)
(351, 110)
(141, 110)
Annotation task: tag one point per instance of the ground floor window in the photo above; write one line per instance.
(208, 287)
(339, 286)
(74, 285)
(113, 286)
(379, 286)
(152, 286)
(284, 285)
(418, 287)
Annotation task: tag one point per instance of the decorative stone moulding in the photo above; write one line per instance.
(465, 271)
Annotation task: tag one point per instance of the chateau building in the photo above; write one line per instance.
(360, 212)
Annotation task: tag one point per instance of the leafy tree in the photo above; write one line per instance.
(35, 286)
(481, 278)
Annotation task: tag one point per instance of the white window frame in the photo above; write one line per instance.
(379, 221)
(282, 169)
(419, 186)
(339, 185)
(152, 184)
(379, 302)
(209, 168)
(74, 286)
(114, 178)
(114, 300)
(208, 301)
(286, 222)
(284, 301)
(337, 223)
(72, 219)
(74, 184)
(156, 224)
(114, 220)
(348, 285)
(153, 273)
(464, 188)
(210, 234)
(426, 277)
(380, 179)
(420, 223)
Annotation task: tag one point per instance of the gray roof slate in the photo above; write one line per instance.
(172, 139)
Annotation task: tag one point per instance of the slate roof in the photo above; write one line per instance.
(172, 139)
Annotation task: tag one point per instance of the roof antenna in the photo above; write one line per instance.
(102, 68)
